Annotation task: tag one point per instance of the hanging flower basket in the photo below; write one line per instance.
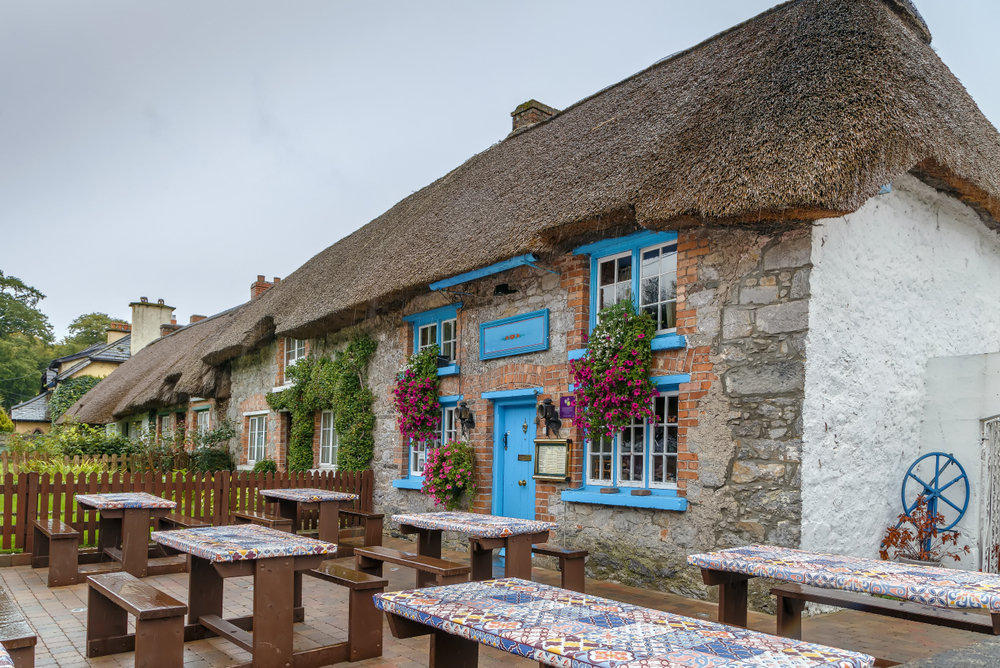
(449, 474)
(612, 379)
(415, 397)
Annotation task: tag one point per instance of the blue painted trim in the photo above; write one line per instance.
(413, 482)
(452, 370)
(885, 190)
(518, 261)
(427, 317)
(513, 394)
(542, 315)
(451, 400)
(668, 342)
(579, 353)
(622, 244)
(664, 499)
(677, 379)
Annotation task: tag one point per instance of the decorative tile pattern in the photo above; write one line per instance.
(599, 633)
(308, 495)
(241, 542)
(474, 524)
(125, 500)
(5, 660)
(941, 587)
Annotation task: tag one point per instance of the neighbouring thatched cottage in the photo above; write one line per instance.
(819, 197)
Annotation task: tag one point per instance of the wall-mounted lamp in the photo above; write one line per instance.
(549, 416)
(466, 418)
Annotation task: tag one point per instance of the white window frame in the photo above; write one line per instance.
(418, 449)
(328, 440)
(668, 427)
(295, 349)
(646, 428)
(256, 431)
(452, 355)
(607, 451)
(660, 275)
(631, 282)
(431, 340)
(203, 428)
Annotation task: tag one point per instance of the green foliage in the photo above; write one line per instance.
(265, 466)
(71, 439)
(68, 393)
(208, 459)
(321, 384)
(450, 474)
(22, 361)
(6, 424)
(19, 312)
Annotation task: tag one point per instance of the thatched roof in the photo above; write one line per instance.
(168, 371)
(801, 113)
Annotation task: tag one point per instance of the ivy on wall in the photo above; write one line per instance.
(68, 393)
(341, 384)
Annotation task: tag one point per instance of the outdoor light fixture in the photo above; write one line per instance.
(465, 417)
(548, 415)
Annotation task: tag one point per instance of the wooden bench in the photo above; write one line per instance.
(793, 597)
(263, 519)
(371, 536)
(56, 547)
(430, 571)
(364, 621)
(571, 564)
(159, 621)
(178, 521)
(16, 636)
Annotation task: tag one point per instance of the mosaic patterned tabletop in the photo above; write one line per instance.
(558, 627)
(474, 524)
(5, 660)
(308, 495)
(124, 500)
(942, 587)
(242, 542)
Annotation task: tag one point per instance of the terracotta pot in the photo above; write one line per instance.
(918, 562)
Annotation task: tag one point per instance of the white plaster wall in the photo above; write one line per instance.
(910, 276)
(961, 392)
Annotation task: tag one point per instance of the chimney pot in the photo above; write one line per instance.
(277, 280)
(260, 278)
(531, 112)
(160, 302)
(144, 300)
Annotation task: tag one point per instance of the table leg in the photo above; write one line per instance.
(135, 541)
(289, 510)
(517, 562)
(273, 598)
(204, 590)
(790, 617)
(109, 534)
(329, 521)
(449, 651)
(481, 560)
(733, 603)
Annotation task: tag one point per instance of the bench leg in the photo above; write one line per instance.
(364, 626)
(373, 531)
(23, 657)
(159, 643)
(572, 574)
(366, 565)
(733, 603)
(481, 561)
(204, 590)
(790, 617)
(105, 621)
(448, 651)
(40, 550)
(64, 567)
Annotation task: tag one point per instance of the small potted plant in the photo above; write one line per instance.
(915, 539)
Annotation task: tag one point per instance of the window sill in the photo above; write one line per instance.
(452, 370)
(661, 342)
(281, 388)
(413, 482)
(659, 499)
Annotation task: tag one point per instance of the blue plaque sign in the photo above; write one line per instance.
(514, 336)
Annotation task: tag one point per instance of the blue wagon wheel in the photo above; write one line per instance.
(949, 485)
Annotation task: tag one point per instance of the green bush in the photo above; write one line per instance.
(209, 459)
(6, 424)
(265, 466)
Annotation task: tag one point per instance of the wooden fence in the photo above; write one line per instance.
(9, 462)
(206, 496)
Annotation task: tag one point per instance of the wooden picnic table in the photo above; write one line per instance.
(937, 587)
(124, 526)
(486, 533)
(276, 560)
(327, 502)
(558, 627)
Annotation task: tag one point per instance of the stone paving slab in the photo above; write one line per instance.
(59, 617)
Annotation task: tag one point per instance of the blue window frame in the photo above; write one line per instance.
(417, 451)
(643, 456)
(438, 326)
(641, 267)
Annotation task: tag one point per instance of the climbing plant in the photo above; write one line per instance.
(68, 393)
(323, 383)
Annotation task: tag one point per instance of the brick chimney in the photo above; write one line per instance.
(167, 328)
(531, 112)
(196, 318)
(260, 286)
(147, 319)
(117, 331)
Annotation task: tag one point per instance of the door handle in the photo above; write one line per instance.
(522, 483)
(505, 440)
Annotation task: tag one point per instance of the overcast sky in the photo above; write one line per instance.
(177, 148)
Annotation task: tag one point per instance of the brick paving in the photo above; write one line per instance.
(59, 617)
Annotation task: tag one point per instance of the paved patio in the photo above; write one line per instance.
(59, 617)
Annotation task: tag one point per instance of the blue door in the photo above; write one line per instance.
(516, 452)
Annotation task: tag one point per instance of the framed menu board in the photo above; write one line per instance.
(552, 459)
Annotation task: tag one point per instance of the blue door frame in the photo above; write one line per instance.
(500, 408)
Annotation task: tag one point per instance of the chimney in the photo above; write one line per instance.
(196, 318)
(146, 321)
(167, 328)
(531, 112)
(117, 331)
(259, 287)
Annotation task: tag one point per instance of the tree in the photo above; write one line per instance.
(22, 361)
(6, 424)
(19, 312)
(84, 331)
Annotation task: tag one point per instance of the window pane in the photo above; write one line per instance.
(651, 263)
(607, 272)
(624, 269)
(659, 285)
(650, 290)
(668, 263)
(668, 315)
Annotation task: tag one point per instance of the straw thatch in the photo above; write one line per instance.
(801, 113)
(166, 372)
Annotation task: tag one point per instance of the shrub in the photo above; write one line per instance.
(265, 466)
(6, 424)
(916, 536)
(208, 459)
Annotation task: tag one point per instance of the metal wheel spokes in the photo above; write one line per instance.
(943, 483)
